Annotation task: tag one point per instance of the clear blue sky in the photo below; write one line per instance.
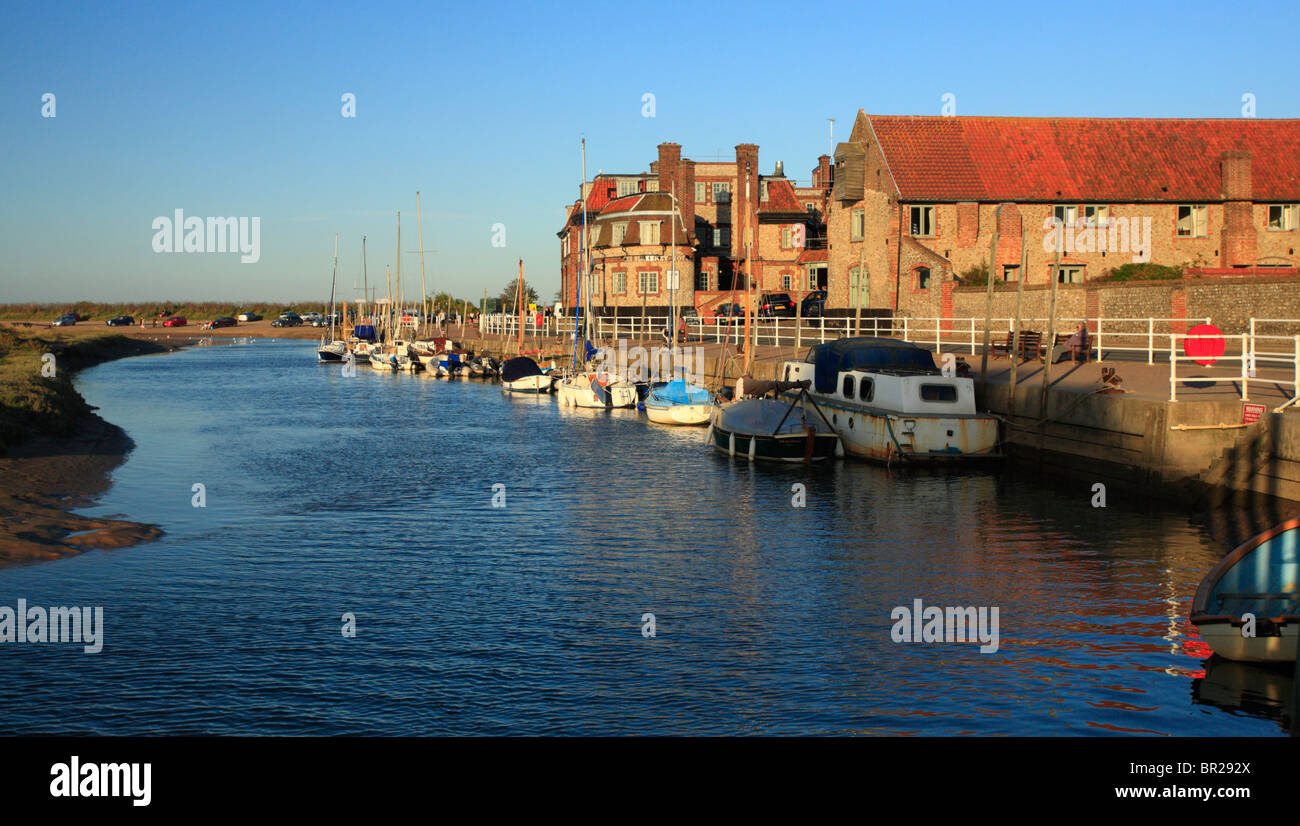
(234, 109)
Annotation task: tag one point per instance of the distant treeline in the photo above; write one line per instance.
(99, 311)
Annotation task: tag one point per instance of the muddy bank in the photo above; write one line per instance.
(59, 456)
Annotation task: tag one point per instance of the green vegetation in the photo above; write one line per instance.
(976, 276)
(1146, 271)
(31, 404)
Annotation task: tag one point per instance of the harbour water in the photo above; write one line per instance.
(373, 495)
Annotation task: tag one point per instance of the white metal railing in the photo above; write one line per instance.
(1245, 355)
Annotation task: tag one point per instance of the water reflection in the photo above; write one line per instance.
(374, 494)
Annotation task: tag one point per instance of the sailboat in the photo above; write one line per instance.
(679, 402)
(582, 386)
(335, 350)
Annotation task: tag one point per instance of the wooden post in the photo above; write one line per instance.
(1051, 331)
(1015, 339)
(988, 297)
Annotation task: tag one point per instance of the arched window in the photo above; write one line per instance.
(923, 278)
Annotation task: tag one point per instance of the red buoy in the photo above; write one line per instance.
(1204, 351)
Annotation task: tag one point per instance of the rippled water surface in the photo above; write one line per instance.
(373, 495)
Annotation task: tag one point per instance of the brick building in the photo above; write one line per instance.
(633, 224)
(915, 201)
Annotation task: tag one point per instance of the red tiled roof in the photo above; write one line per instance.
(781, 197)
(808, 256)
(1097, 159)
(623, 204)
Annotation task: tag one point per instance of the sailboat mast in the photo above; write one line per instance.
(520, 304)
(399, 269)
(388, 320)
(424, 293)
(333, 280)
(749, 349)
(584, 257)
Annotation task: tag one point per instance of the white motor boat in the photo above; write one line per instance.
(522, 375)
(889, 403)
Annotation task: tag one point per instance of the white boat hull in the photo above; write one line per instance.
(884, 437)
(679, 414)
(529, 384)
(1226, 640)
(578, 393)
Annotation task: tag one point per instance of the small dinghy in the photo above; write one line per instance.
(522, 375)
(775, 430)
(1257, 580)
(679, 402)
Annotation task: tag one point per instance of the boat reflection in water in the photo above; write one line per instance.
(1262, 690)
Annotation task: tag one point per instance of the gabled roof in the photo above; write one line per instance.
(1080, 159)
(781, 198)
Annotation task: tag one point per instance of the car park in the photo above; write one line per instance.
(120, 321)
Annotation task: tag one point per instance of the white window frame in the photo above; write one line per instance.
(648, 232)
(1286, 221)
(1066, 214)
(620, 282)
(929, 276)
(786, 280)
(1070, 274)
(647, 279)
(1198, 217)
(721, 192)
(627, 186)
(701, 192)
(858, 224)
(925, 226)
(1098, 213)
(620, 233)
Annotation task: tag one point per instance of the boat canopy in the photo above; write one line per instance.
(875, 354)
(678, 391)
(365, 332)
(519, 367)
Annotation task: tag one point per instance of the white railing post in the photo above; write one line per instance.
(1151, 340)
(1295, 369)
(905, 338)
(1173, 369)
(972, 335)
(938, 332)
(823, 329)
(1245, 379)
(1099, 350)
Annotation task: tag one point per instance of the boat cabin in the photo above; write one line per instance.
(884, 374)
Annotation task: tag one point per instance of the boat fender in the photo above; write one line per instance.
(753, 442)
(731, 445)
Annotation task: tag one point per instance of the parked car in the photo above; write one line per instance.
(65, 320)
(224, 321)
(120, 321)
(732, 313)
(771, 305)
(813, 304)
(175, 321)
(248, 317)
(311, 318)
(288, 320)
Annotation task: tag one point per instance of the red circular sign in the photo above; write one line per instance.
(1206, 350)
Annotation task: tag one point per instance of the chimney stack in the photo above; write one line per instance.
(742, 216)
(1238, 242)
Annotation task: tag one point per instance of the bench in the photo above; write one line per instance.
(1030, 342)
